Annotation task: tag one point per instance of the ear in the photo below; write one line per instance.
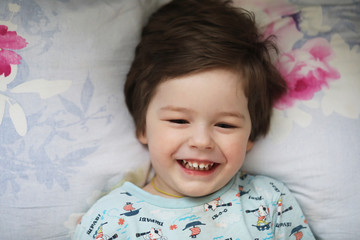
(249, 146)
(142, 138)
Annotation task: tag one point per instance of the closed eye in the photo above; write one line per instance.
(178, 121)
(225, 125)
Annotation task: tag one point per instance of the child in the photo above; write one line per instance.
(200, 90)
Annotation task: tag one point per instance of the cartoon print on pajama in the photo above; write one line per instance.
(153, 234)
(262, 213)
(194, 228)
(130, 210)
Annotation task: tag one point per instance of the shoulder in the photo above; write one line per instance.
(261, 185)
(259, 180)
(99, 217)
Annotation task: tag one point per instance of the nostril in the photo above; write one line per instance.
(203, 144)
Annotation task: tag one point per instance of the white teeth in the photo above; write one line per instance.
(197, 166)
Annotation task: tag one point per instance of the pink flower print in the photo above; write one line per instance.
(9, 40)
(306, 71)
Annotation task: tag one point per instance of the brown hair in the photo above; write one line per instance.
(189, 36)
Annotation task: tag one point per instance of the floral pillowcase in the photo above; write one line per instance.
(311, 145)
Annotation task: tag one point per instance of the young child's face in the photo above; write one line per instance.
(197, 131)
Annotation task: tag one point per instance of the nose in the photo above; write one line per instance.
(201, 138)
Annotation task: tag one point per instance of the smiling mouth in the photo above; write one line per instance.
(198, 166)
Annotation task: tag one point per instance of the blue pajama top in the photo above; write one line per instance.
(248, 207)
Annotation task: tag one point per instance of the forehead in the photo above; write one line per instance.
(217, 86)
(212, 77)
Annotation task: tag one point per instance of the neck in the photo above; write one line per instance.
(158, 190)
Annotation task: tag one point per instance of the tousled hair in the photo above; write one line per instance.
(190, 36)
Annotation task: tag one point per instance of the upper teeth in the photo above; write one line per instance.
(197, 166)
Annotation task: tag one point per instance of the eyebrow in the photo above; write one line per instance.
(232, 114)
(186, 110)
(175, 109)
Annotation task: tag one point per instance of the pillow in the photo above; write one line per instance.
(313, 144)
(65, 134)
(66, 137)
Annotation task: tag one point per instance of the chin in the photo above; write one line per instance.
(197, 193)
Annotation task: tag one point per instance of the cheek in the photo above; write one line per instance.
(162, 145)
(164, 136)
(235, 149)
